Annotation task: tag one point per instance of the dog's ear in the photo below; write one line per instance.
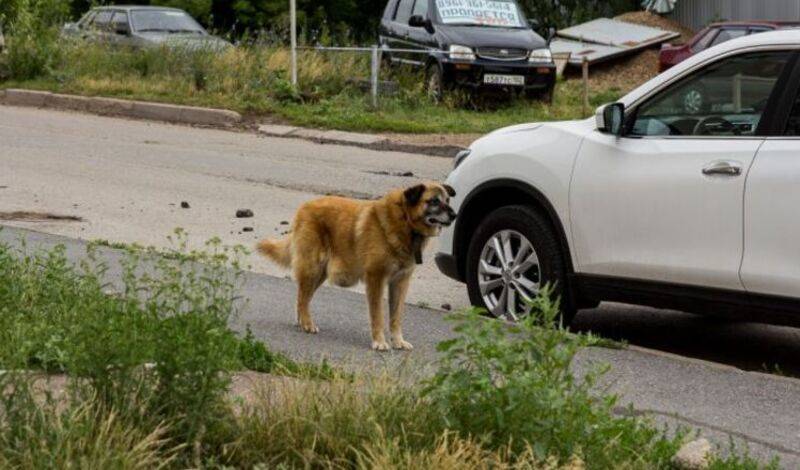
(414, 194)
(450, 191)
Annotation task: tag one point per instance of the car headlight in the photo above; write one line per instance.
(541, 55)
(462, 53)
(460, 157)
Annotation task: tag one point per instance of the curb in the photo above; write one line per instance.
(354, 139)
(125, 108)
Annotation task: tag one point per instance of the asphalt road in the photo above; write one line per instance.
(126, 180)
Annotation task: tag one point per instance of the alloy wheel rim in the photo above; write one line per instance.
(509, 275)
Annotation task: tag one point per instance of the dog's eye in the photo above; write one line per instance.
(434, 201)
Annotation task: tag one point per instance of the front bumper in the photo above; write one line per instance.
(538, 77)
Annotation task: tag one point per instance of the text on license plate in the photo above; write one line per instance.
(495, 79)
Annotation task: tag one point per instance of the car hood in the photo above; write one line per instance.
(477, 36)
(528, 132)
(189, 41)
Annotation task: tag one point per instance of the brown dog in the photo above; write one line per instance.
(378, 242)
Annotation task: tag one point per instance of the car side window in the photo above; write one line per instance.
(420, 8)
(703, 43)
(727, 98)
(726, 35)
(120, 21)
(87, 20)
(758, 29)
(404, 11)
(102, 21)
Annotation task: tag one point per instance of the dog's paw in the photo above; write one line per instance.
(310, 328)
(402, 344)
(381, 345)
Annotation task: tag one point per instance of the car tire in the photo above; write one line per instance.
(434, 82)
(512, 224)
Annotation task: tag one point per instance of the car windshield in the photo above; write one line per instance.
(165, 20)
(493, 13)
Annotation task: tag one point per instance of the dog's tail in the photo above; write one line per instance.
(279, 251)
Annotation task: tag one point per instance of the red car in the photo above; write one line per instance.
(714, 34)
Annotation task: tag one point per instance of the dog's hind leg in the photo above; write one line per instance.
(398, 288)
(375, 285)
(308, 281)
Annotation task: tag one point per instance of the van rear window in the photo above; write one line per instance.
(500, 13)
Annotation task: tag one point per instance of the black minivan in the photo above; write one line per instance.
(474, 44)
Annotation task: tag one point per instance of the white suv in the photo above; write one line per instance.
(685, 195)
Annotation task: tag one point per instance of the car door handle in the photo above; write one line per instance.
(724, 168)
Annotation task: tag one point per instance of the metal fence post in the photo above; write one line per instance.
(585, 67)
(375, 72)
(293, 28)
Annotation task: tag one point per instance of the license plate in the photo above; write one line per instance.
(495, 79)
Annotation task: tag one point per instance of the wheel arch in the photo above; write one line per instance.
(500, 193)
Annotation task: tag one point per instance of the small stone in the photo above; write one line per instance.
(184, 205)
(284, 222)
(406, 174)
(247, 229)
(447, 307)
(695, 455)
(244, 213)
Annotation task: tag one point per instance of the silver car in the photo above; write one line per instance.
(143, 26)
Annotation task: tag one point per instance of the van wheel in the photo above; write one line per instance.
(513, 254)
(434, 83)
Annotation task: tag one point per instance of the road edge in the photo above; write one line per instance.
(121, 108)
(212, 117)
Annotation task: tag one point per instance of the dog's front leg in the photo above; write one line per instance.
(398, 289)
(375, 285)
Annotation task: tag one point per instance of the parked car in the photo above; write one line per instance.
(646, 203)
(2, 39)
(143, 26)
(713, 35)
(477, 46)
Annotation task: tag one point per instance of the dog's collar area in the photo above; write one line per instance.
(416, 245)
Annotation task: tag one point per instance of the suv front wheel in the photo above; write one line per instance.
(512, 255)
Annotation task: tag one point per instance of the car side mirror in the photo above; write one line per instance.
(611, 119)
(417, 21)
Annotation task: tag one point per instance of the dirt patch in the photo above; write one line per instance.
(627, 73)
(450, 140)
(26, 216)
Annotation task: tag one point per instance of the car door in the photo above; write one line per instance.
(100, 28)
(664, 202)
(120, 30)
(400, 32)
(420, 38)
(771, 263)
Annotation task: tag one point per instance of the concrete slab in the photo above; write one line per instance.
(16, 97)
(125, 108)
(352, 137)
(276, 129)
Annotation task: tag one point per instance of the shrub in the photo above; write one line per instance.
(512, 385)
